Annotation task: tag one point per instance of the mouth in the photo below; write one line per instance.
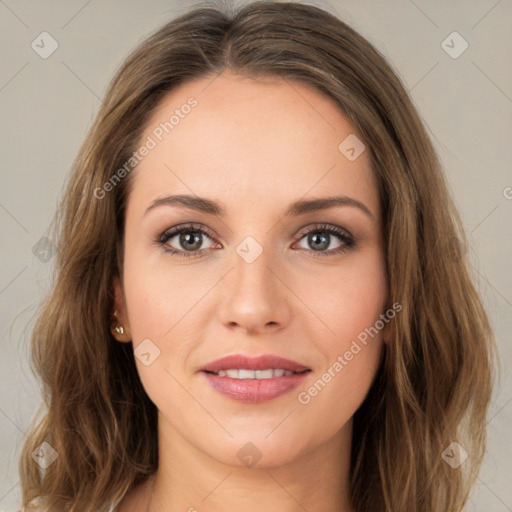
(243, 373)
(254, 380)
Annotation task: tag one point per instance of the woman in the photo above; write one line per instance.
(261, 301)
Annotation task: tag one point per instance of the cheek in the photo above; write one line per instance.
(161, 300)
(351, 355)
(157, 293)
(156, 302)
(351, 298)
(149, 303)
(351, 305)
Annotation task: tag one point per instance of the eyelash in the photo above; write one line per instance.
(161, 239)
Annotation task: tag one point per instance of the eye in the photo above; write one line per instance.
(320, 238)
(189, 239)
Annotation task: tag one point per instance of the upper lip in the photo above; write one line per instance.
(262, 362)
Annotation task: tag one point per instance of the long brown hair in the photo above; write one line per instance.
(435, 380)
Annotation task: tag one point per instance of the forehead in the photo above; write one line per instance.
(241, 138)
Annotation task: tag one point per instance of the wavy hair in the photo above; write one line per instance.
(434, 382)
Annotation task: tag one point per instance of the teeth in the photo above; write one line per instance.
(254, 374)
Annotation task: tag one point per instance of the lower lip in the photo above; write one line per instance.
(255, 391)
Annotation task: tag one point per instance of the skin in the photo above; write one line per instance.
(255, 146)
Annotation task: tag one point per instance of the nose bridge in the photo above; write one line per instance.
(253, 296)
(252, 274)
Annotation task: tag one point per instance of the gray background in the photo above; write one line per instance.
(48, 104)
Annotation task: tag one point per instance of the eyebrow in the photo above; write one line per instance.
(208, 206)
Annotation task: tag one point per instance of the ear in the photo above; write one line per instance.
(119, 315)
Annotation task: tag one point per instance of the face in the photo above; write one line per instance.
(251, 277)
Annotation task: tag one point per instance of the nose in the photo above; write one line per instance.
(254, 296)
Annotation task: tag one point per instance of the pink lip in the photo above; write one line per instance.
(254, 390)
(262, 362)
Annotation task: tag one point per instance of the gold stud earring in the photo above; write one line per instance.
(120, 329)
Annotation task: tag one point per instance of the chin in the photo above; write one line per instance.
(246, 451)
